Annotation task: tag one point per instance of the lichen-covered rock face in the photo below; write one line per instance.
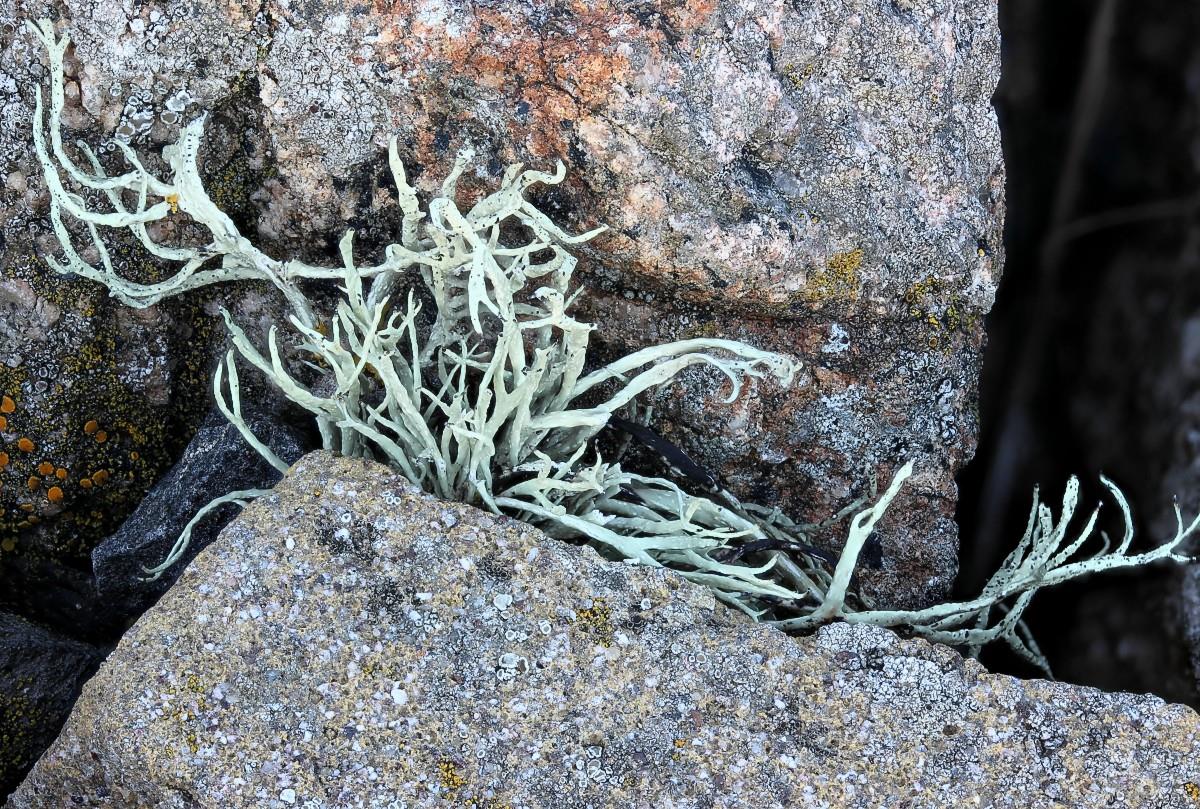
(215, 462)
(96, 399)
(349, 641)
(822, 178)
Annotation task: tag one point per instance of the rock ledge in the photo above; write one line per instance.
(351, 642)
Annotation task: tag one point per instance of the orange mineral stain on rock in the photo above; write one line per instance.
(549, 73)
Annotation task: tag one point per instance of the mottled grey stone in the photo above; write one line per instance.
(104, 397)
(350, 641)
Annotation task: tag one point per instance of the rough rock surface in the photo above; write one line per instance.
(40, 670)
(40, 677)
(348, 641)
(822, 177)
(97, 400)
(217, 461)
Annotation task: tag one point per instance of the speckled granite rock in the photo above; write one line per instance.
(348, 641)
(823, 178)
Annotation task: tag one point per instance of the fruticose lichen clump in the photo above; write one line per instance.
(488, 398)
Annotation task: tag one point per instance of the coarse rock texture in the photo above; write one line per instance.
(41, 672)
(350, 641)
(217, 461)
(822, 178)
(40, 677)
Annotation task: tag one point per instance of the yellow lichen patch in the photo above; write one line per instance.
(9, 544)
(845, 265)
(1192, 790)
(927, 304)
(918, 290)
(7, 405)
(33, 483)
(133, 456)
(55, 494)
(91, 427)
(452, 780)
(25, 444)
(45, 468)
(597, 621)
(797, 75)
(173, 201)
(838, 281)
(27, 507)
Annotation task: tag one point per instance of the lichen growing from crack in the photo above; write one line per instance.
(487, 400)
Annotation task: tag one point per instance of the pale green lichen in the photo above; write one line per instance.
(488, 401)
(1045, 556)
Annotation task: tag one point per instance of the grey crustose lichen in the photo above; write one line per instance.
(490, 402)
